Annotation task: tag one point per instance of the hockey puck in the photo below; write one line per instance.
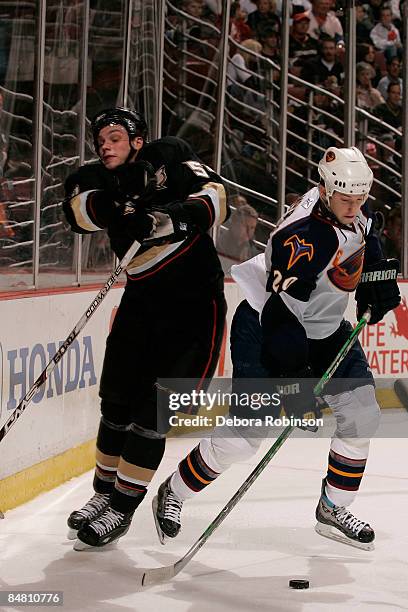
(299, 584)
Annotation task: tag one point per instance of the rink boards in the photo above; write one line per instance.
(53, 439)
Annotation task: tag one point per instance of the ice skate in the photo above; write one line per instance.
(105, 529)
(92, 509)
(166, 511)
(337, 523)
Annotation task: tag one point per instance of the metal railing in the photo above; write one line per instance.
(185, 85)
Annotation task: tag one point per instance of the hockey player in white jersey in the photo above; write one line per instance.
(291, 325)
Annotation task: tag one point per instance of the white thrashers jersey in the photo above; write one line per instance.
(313, 262)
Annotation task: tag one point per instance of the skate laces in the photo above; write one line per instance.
(107, 521)
(94, 505)
(172, 507)
(346, 518)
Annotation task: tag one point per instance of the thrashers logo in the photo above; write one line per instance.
(300, 248)
(346, 275)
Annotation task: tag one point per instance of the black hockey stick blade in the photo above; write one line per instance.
(157, 575)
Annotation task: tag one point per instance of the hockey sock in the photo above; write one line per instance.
(109, 444)
(192, 475)
(140, 459)
(343, 478)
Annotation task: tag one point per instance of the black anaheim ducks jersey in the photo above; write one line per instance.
(180, 176)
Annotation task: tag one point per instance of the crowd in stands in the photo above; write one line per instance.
(315, 114)
(317, 56)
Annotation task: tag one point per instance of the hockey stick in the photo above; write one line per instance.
(162, 574)
(69, 340)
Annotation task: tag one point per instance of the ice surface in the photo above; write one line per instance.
(247, 563)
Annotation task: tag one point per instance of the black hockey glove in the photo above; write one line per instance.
(133, 181)
(378, 288)
(172, 224)
(298, 399)
(137, 223)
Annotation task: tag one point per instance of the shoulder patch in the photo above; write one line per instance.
(345, 275)
(299, 248)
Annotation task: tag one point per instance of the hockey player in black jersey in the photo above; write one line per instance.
(171, 317)
(323, 249)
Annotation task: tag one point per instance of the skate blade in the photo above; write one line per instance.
(81, 546)
(160, 534)
(72, 534)
(330, 532)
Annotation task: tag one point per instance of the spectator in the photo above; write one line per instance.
(385, 35)
(237, 243)
(215, 6)
(391, 237)
(316, 126)
(301, 6)
(301, 45)
(269, 40)
(390, 111)
(242, 64)
(323, 20)
(392, 76)
(321, 69)
(238, 200)
(194, 8)
(240, 30)
(264, 14)
(367, 96)
(374, 10)
(366, 53)
(363, 25)
(243, 70)
(387, 171)
(248, 6)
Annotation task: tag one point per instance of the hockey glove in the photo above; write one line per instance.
(172, 224)
(378, 289)
(298, 399)
(137, 223)
(133, 181)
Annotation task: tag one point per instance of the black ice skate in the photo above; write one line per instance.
(105, 529)
(166, 511)
(92, 509)
(337, 523)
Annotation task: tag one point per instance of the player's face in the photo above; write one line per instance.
(346, 207)
(114, 146)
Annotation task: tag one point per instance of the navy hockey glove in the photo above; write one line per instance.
(378, 289)
(298, 399)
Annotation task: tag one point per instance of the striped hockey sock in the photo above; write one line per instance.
(343, 478)
(192, 475)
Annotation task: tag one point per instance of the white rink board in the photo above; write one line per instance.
(66, 412)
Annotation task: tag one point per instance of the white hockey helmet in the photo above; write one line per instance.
(345, 170)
